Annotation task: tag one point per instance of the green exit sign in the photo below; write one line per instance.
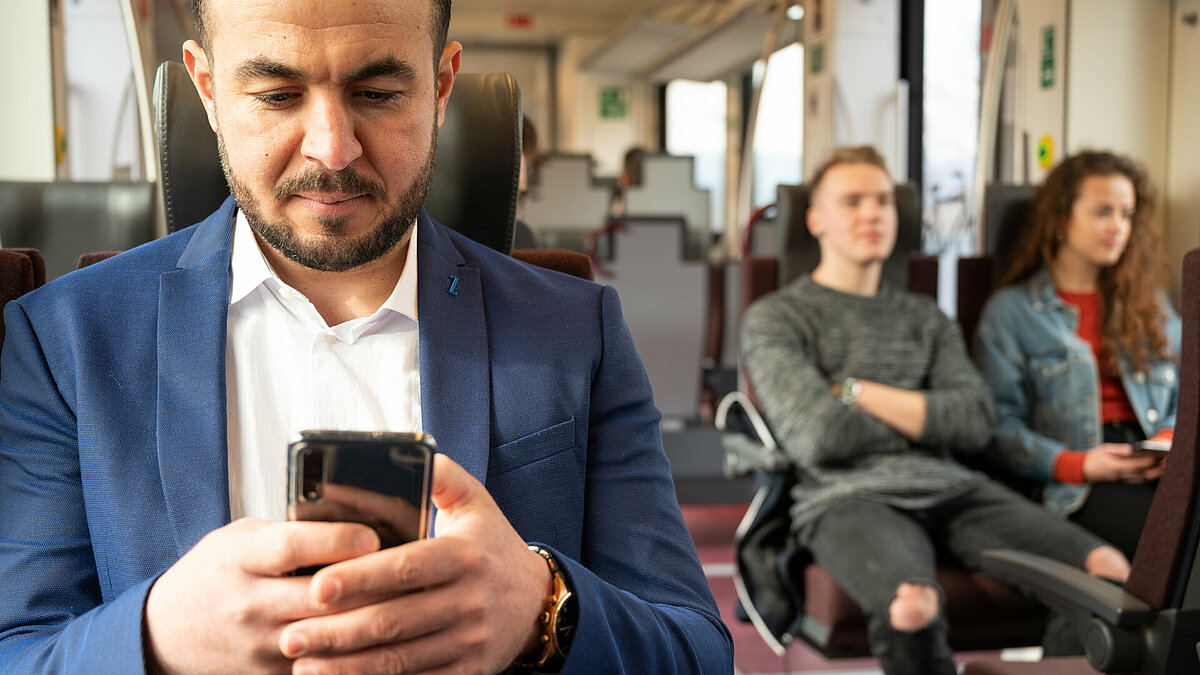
(1047, 57)
(614, 103)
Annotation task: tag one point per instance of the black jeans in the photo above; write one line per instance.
(870, 548)
(1117, 511)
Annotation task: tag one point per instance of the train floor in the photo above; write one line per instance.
(712, 527)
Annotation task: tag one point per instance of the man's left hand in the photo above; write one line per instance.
(465, 601)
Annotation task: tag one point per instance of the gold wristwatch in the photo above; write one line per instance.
(557, 622)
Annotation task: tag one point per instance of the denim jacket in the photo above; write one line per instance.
(1046, 384)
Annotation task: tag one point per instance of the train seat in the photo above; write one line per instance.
(667, 192)
(1008, 209)
(781, 592)
(1151, 626)
(566, 202)
(474, 189)
(21, 271)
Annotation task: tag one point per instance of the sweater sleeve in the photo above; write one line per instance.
(810, 424)
(959, 413)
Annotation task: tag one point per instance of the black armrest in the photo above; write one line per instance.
(1060, 584)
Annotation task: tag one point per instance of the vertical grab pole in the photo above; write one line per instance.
(989, 112)
(733, 231)
(133, 36)
(900, 151)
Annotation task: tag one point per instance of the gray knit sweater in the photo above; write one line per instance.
(799, 340)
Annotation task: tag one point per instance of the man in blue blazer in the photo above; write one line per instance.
(120, 408)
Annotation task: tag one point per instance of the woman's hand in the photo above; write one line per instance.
(1110, 462)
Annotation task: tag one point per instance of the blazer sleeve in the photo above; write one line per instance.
(644, 603)
(53, 618)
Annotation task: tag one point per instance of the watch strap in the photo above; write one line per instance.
(553, 653)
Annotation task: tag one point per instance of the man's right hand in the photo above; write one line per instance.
(221, 607)
(1110, 462)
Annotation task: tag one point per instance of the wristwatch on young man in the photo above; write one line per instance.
(851, 388)
(557, 622)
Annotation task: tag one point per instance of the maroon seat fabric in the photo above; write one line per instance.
(923, 275)
(1164, 559)
(38, 263)
(21, 271)
(561, 260)
(974, 287)
(93, 258)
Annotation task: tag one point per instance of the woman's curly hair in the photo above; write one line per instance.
(1131, 312)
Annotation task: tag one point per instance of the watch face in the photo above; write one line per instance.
(565, 620)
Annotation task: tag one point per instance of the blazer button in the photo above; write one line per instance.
(1152, 415)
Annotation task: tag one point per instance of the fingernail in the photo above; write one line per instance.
(368, 541)
(328, 590)
(295, 644)
(304, 668)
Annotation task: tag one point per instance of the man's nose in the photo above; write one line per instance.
(869, 209)
(329, 136)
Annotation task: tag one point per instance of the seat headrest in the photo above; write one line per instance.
(799, 252)
(474, 188)
(1007, 213)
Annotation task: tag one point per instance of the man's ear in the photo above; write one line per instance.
(447, 70)
(196, 62)
(813, 221)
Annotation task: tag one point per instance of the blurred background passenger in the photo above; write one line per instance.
(1080, 348)
(630, 176)
(523, 235)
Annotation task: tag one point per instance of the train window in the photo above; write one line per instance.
(696, 113)
(952, 64)
(778, 135)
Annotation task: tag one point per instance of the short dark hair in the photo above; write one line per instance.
(858, 154)
(441, 26)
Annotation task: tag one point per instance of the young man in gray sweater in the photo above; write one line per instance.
(871, 395)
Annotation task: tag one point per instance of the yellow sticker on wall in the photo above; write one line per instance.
(1045, 152)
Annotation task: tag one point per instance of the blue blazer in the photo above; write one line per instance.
(113, 447)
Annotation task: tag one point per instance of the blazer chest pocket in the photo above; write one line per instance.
(532, 448)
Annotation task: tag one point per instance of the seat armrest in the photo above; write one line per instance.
(1062, 585)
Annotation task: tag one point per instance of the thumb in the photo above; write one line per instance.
(454, 489)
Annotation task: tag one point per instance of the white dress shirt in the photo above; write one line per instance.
(286, 370)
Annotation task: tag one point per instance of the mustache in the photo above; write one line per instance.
(314, 179)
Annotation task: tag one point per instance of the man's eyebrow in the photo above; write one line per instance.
(385, 67)
(262, 67)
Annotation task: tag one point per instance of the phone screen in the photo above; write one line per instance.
(381, 480)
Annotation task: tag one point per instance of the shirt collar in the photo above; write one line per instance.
(249, 269)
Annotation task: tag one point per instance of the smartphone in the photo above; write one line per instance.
(380, 479)
(1152, 446)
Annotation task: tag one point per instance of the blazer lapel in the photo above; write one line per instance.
(192, 454)
(455, 368)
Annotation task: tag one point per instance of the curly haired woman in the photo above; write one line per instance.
(1080, 345)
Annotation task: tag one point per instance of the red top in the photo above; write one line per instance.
(1114, 404)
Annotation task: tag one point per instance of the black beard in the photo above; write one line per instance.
(333, 253)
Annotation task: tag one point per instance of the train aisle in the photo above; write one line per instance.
(712, 527)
